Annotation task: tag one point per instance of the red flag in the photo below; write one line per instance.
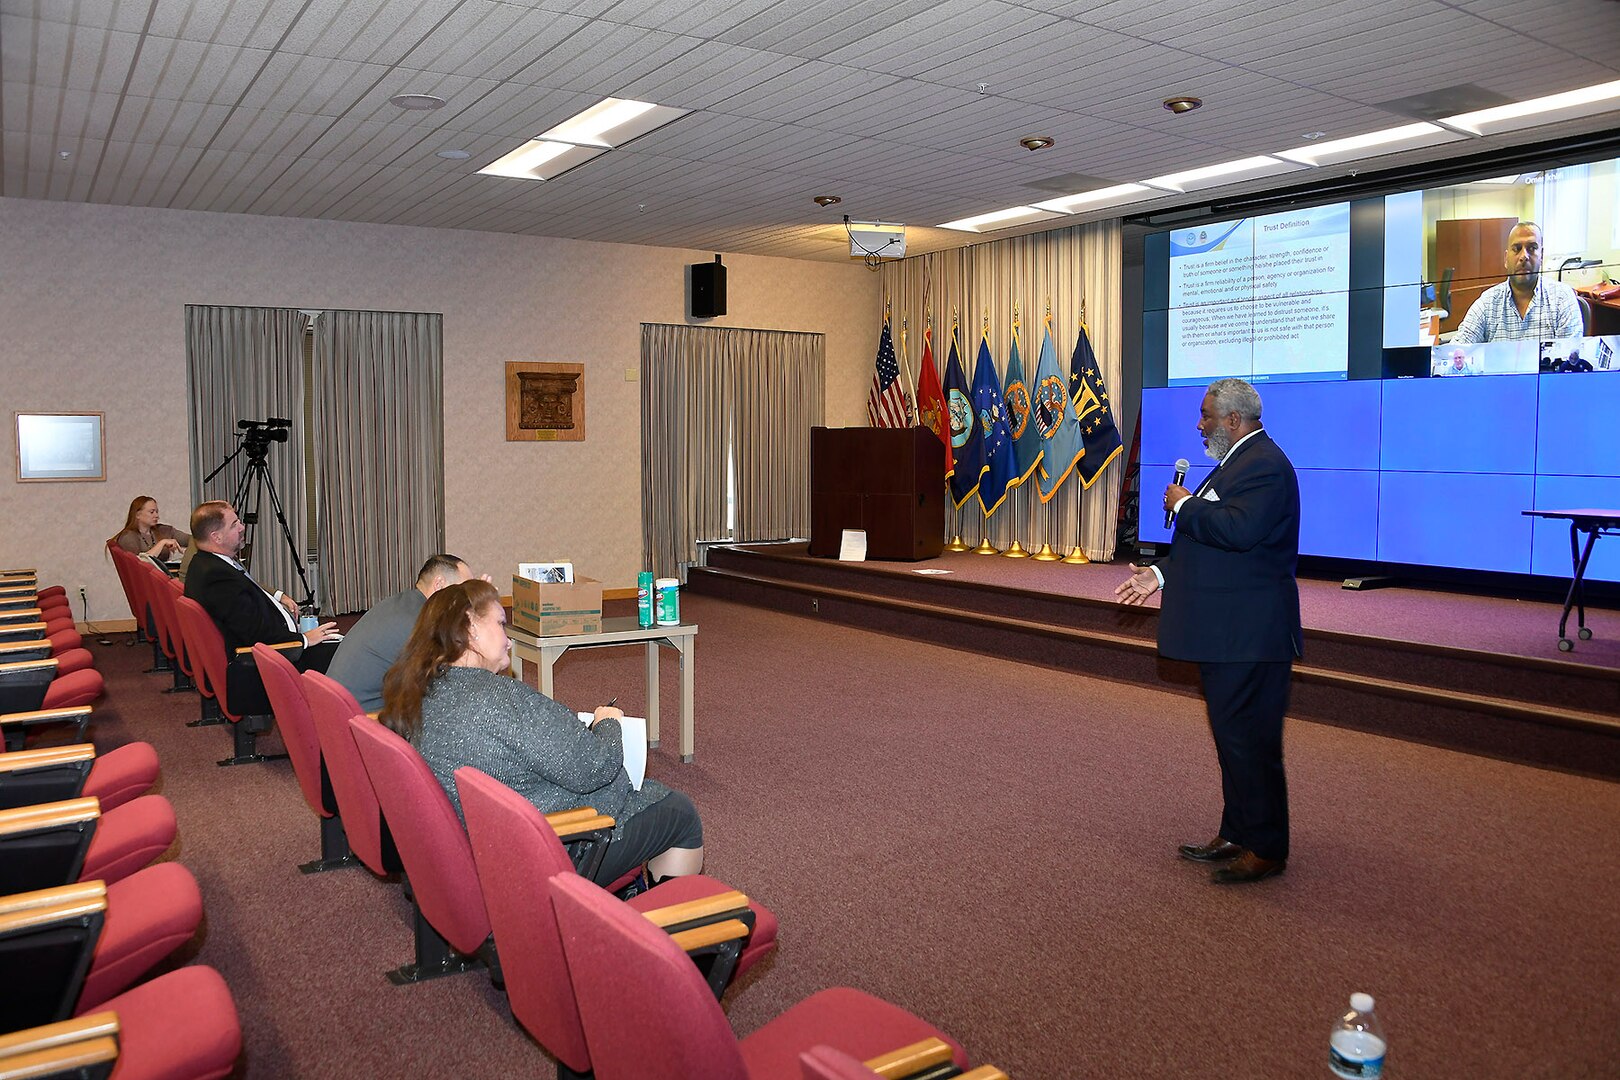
(931, 412)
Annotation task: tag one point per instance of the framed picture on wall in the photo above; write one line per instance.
(60, 446)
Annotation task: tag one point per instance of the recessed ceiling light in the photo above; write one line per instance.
(1101, 197)
(454, 155)
(539, 159)
(612, 122)
(1179, 105)
(999, 219)
(1587, 101)
(1407, 137)
(826, 200)
(1036, 142)
(1225, 172)
(417, 102)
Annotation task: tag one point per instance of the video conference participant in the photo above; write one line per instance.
(1524, 307)
(1231, 604)
(239, 606)
(447, 696)
(372, 645)
(144, 534)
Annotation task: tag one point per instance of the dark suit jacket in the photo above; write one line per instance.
(1229, 589)
(244, 613)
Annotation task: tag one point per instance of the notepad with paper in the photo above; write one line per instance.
(634, 731)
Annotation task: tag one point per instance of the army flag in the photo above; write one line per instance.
(1052, 415)
(1097, 431)
(1015, 395)
(967, 444)
(1000, 461)
(931, 411)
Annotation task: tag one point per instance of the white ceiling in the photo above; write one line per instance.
(281, 106)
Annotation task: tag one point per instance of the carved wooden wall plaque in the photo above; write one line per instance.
(545, 402)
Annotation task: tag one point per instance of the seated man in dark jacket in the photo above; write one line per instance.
(372, 645)
(240, 607)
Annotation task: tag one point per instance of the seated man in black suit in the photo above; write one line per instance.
(243, 611)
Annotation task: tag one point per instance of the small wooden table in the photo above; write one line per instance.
(546, 651)
(1594, 523)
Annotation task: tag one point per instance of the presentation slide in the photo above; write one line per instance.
(1263, 298)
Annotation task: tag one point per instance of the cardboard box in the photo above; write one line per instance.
(551, 609)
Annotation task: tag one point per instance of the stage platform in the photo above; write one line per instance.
(1472, 673)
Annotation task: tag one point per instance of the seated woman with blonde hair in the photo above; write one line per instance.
(144, 534)
(447, 696)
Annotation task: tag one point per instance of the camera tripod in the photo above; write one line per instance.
(250, 490)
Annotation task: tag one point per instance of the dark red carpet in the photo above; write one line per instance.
(990, 845)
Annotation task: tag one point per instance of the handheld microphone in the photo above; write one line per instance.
(1182, 465)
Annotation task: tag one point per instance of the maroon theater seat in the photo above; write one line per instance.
(63, 640)
(122, 774)
(50, 844)
(70, 660)
(129, 838)
(76, 688)
(235, 684)
(150, 914)
(331, 706)
(286, 693)
(648, 1015)
(54, 773)
(519, 857)
(929, 1058)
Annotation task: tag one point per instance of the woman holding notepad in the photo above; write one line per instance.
(448, 696)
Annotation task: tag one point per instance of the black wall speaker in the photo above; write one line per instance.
(708, 289)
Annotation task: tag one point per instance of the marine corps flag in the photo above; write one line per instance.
(931, 410)
(967, 444)
(1000, 459)
(1097, 431)
(1052, 414)
(1015, 395)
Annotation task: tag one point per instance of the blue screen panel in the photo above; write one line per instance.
(1467, 520)
(1324, 425)
(1550, 550)
(1338, 513)
(1170, 427)
(1479, 424)
(1578, 426)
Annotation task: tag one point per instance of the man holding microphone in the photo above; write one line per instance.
(1231, 605)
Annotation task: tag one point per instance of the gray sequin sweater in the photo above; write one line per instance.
(528, 742)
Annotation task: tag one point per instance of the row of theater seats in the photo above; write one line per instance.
(85, 911)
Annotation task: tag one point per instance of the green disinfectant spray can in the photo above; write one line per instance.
(644, 599)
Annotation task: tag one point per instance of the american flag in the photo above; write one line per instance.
(886, 402)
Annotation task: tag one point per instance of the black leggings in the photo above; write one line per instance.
(671, 822)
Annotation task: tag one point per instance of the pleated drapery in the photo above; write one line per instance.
(379, 447)
(718, 402)
(1071, 269)
(246, 363)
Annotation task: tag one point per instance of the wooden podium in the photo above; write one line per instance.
(888, 481)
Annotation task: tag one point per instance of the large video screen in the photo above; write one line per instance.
(1420, 434)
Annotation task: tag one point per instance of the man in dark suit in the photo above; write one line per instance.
(243, 611)
(1231, 605)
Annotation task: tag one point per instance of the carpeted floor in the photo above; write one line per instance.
(991, 845)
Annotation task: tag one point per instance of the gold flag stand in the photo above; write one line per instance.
(956, 544)
(1046, 554)
(985, 547)
(1077, 557)
(1015, 552)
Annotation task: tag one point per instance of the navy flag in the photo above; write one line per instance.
(1052, 414)
(1025, 436)
(1000, 459)
(967, 445)
(1090, 396)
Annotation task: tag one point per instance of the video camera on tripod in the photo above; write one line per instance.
(255, 481)
(257, 435)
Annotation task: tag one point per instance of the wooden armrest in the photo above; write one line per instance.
(18, 760)
(564, 817)
(701, 937)
(18, 613)
(18, 592)
(583, 826)
(907, 1060)
(28, 918)
(702, 908)
(43, 716)
(101, 1025)
(37, 628)
(20, 571)
(27, 665)
(25, 819)
(983, 1072)
(280, 646)
(23, 646)
(77, 892)
(377, 716)
(61, 1060)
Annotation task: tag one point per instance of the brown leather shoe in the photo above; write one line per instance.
(1246, 868)
(1217, 850)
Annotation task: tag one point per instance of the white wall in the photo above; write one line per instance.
(92, 303)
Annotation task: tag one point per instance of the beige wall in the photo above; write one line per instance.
(92, 305)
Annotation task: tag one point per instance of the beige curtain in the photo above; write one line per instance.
(379, 449)
(246, 363)
(719, 401)
(1075, 271)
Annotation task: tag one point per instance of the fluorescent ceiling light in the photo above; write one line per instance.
(538, 159)
(1588, 101)
(1101, 197)
(612, 122)
(1000, 219)
(1408, 137)
(1214, 175)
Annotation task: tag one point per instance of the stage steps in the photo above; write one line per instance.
(1533, 711)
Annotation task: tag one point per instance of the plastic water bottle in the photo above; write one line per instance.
(1356, 1047)
(644, 599)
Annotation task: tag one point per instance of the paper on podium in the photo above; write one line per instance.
(634, 731)
(853, 548)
